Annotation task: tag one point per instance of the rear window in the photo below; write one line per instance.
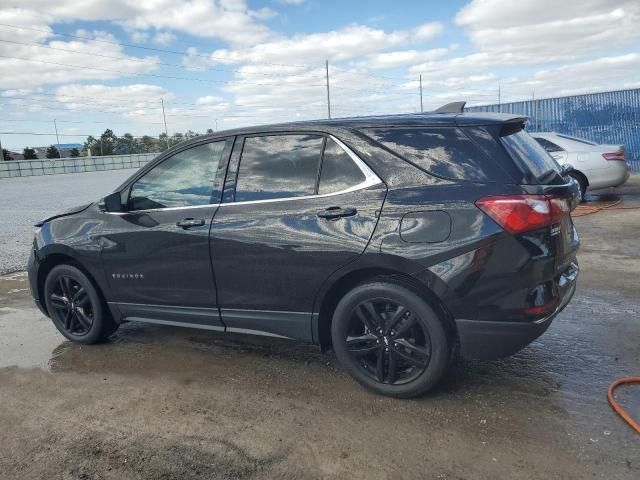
(547, 145)
(536, 165)
(445, 152)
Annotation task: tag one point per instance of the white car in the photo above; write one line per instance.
(594, 166)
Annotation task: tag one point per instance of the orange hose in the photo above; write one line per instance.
(616, 406)
(582, 210)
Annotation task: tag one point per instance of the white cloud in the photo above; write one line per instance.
(336, 45)
(291, 2)
(544, 31)
(229, 20)
(209, 100)
(402, 58)
(59, 61)
(164, 38)
(139, 36)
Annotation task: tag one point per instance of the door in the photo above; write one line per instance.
(298, 207)
(156, 253)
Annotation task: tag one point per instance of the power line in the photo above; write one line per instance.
(84, 67)
(142, 60)
(142, 47)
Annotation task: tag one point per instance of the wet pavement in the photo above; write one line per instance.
(162, 402)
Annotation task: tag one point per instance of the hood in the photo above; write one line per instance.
(64, 213)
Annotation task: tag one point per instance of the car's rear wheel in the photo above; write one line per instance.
(390, 340)
(75, 306)
(581, 183)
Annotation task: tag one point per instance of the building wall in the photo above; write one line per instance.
(606, 117)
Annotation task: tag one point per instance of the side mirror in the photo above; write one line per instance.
(111, 203)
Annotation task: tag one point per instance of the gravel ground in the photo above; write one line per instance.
(173, 403)
(25, 200)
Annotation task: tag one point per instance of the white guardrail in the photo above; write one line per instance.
(53, 166)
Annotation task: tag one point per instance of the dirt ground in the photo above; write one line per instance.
(169, 403)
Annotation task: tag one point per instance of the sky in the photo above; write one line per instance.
(96, 64)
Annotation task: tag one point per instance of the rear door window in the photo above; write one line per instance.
(444, 152)
(278, 166)
(339, 172)
(536, 165)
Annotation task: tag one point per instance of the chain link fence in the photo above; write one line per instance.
(606, 117)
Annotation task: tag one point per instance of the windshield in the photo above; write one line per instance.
(536, 165)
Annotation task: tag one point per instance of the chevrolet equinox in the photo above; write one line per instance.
(398, 241)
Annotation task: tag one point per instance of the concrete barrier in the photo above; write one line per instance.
(53, 166)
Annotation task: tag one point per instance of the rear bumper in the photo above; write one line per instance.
(481, 339)
(616, 174)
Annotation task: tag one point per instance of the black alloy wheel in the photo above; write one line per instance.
(389, 339)
(76, 308)
(72, 307)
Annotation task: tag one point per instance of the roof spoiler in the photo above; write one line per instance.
(453, 107)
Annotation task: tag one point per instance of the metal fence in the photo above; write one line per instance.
(607, 117)
(53, 166)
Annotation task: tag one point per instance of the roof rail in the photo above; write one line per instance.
(453, 107)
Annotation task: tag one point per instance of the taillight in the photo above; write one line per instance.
(523, 213)
(614, 156)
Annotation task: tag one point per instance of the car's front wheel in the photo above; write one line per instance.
(75, 306)
(390, 340)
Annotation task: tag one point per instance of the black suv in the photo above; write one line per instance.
(397, 241)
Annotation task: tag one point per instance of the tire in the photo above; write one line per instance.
(75, 306)
(417, 348)
(581, 183)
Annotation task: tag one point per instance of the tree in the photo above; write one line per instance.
(126, 145)
(52, 152)
(29, 154)
(164, 141)
(109, 142)
(209, 131)
(177, 138)
(148, 144)
(74, 152)
(105, 145)
(6, 155)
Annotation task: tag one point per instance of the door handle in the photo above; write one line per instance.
(190, 222)
(337, 212)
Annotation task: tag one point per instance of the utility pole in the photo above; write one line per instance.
(55, 125)
(326, 64)
(421, 110)
(1, 150)
(166, 132)
(499, 104)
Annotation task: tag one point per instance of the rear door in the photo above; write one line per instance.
(297, 207)
(156, 253)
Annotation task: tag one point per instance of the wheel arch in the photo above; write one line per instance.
(54, 259)
(578, 173)
(340, 286)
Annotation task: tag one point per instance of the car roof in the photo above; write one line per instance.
(406, 120)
